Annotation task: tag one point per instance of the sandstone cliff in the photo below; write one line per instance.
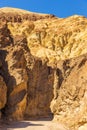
(43, 67)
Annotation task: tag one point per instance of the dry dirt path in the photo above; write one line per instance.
(33, 125)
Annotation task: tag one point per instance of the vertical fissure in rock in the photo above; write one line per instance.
(40, 90)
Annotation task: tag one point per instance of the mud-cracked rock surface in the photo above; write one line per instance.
(43, 66)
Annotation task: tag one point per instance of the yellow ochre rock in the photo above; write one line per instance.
(44, 66)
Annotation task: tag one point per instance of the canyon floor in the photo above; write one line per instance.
(32, 125)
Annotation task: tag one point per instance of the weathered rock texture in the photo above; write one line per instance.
(43, 64)
(69, 105)
(3, 93)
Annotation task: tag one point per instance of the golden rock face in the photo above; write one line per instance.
(44, 66)
(54, 39)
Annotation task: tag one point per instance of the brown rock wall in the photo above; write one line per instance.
(43, 63)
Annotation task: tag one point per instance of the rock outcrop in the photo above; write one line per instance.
(43, 67)
(3, 94)
(18, 15)
(69, 105)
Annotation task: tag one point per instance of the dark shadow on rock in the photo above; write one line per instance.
(40, 90)
(38, 118)
(9, 80)
(4, 72)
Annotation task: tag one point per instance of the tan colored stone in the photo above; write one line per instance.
(44, 60)
(70, 105)
(3, 93)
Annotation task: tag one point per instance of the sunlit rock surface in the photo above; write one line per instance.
(44, 67)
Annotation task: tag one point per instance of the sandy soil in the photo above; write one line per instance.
(32, 125)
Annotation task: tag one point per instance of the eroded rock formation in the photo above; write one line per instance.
(69, 105)
(3, 94)
(43, 67)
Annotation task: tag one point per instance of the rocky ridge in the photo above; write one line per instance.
(43, 67)
(18, 15)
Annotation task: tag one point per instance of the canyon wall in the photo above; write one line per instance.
(43, 62)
